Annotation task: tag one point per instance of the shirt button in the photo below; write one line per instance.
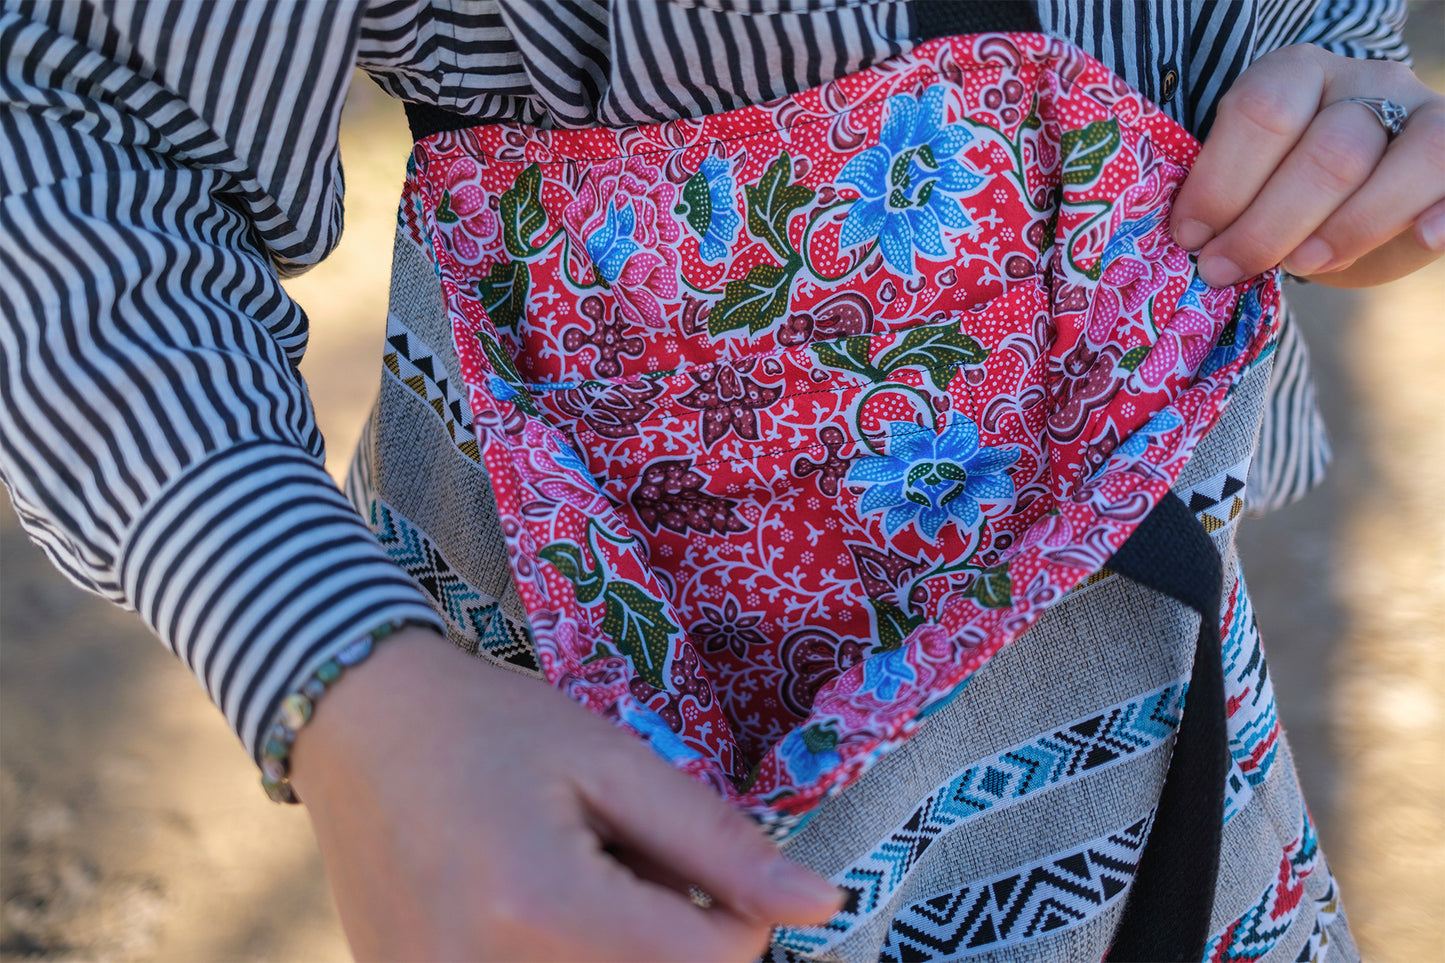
(1168, 84)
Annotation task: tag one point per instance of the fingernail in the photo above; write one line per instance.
(1309, 257)
(793, 881)
(1192, 235)
(1432, 231)
(1219, 272)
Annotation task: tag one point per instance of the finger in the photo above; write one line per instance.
(1397, 257)
(1335, 156)
(680, 824)
(646, 868)
(1430, 229)
(660, 924)
(1258, 123)
(1405, 184)
(575, 902)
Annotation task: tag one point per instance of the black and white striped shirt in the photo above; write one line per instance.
(162, 163)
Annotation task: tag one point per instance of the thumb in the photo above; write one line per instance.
(691, 834)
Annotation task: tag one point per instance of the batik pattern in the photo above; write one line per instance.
(796, 414)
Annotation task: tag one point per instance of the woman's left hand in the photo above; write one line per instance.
(1293, 172)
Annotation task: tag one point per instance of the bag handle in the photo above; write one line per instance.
(1168, 909)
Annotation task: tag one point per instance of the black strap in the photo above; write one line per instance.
(949, 18)
(1167, 914)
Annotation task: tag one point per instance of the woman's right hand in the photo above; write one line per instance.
(468, 813)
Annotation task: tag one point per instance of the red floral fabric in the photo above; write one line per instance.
(798, 413)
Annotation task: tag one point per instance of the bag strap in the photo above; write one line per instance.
(1168, 909)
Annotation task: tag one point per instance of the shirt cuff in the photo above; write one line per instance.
(253, 569)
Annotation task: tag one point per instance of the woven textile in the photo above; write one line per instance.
(797, 414)
(788, 421)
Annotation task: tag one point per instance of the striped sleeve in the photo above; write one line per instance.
(161, 163)
(1363, 29)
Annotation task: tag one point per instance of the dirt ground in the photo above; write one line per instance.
(133, 827)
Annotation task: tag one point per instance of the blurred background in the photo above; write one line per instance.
(133, 826)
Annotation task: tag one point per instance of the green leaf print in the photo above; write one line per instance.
(445, 214)
(757, 301)
(1087, 151)
(847, 354)
(993, 588)
(569, 560)
(522, 213)
(503, 292)
(697, 204)
(1134, 357)
(894, 624)
(509, 374)
(772, 201)
(940, 349)
(636, 625)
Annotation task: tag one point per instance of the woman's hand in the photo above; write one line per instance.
(468, 813)
(1292, 173)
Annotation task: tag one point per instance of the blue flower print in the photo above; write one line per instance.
(710, 209)
(1125, 241)
(810, 752)
(500, 389)
(650, 725)
(1160, 424)
(885, 673)
(612, 244)
(930, 479)
(1237, 335)
(910, 184)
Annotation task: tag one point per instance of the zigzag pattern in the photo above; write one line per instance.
(1029, 902)
(1253, 720)
(476, 616)
(414, 365)
(1088, 745)
(1259, 929)
(1327, 908)
(1216, 501)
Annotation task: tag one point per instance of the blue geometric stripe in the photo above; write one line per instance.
(476, 616)
(1256, 932)
(1253, 721)
(1055, 758)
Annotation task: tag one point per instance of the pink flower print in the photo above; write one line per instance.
(1189, 337)
(552, 469)
(646, 285)
(465, 213)
(622, 219)
(1052, 531)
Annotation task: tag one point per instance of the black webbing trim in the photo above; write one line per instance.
(948, 18)
(427, 119)
(1167, 913)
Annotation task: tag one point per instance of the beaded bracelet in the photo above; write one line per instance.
(296, 710)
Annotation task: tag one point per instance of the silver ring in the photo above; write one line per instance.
(1391, 115)
(700, 897)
